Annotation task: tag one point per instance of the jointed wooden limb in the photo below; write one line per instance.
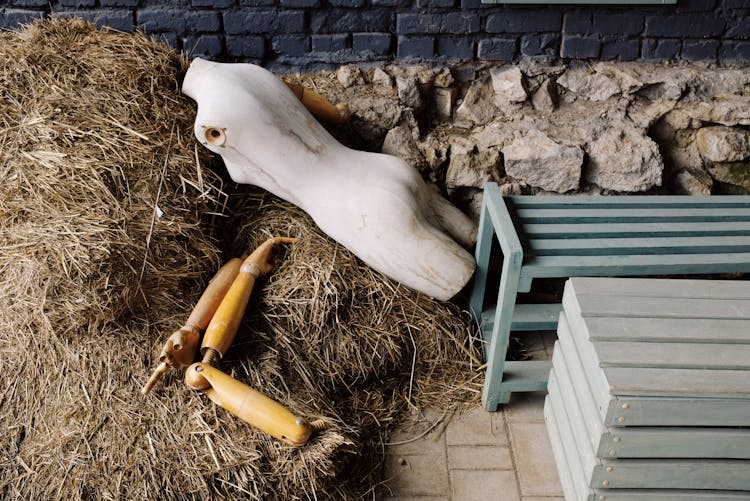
(320, 107)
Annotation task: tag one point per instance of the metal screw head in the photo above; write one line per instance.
(605, 482)
(612, 452)
(626, 406)
(609, 468)
(616, 439)
(621, 419)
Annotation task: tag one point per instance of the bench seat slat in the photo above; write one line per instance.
(634, 230)
(649, 307)
(651, 264)
(626, 215)
(628, 246)
(661, 287)
(673, 355)
(669, 330)
(637, 201)
(678, 382)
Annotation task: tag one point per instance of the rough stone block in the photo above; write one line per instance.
(329, 43)
(299, 4)
(208, 46)
(240, 22)
(13, 18)
(618, 24)
(578, 23)
(497, 49)
(739, 29)
(415, 47)
(117, 19)
(291, 45)
(436, 3)
(538, 161)
(579, 47)
(454, 22)
(723, 144)
(530, 21)
(626, 50)
(245, 46)
(455, 48)
(734, 52)
(509, 85)
(660, 50)
(700, 50)
(351, 22)
(377, 43)
(536, 44)
(686, 25)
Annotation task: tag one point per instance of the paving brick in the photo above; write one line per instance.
(525, 407)
(455, 48)
(350, 22)
(497, 49)
(739, 29)
(660, 50)
(479, 457)
(117, 19)
(241, 22)
(526, 21)
(377, 43)
(734, 53)
(578, 23)
(535, 44)
(477, 427)
(245, 46)
(482, 485)
(13, 18)
(535, 464)
(686, 25)
(417, 475)
(294, 45)
(618, 24)
(700, 50)
(579, 47)
(415, 47)
(626, 50)
(329, 43)
(209, 46)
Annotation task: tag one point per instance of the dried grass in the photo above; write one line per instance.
(88, 122)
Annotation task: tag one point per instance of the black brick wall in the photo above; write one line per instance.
(313, 33)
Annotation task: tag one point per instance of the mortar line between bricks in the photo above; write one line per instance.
(512, 446)
(445, 454)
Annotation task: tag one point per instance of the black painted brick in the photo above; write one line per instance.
(351, 21)
(436, 3)
(30, 3)
(497, 49)
(696, 50)
(733, 4)
(167, 38)
(240, 22)
(455, 48)
(579, 47)
(77, 4)
(618, 24)
(346, 3)
(257, 3)
(118, 19)
(625, 50)
(524, 21)
(216, 4)
(294, 45)
(329, 43)
(377, 43)
(299, 4)
(415, 47)
(695, 5)
(740, 29)
(734, 52)
(245, 46)
(578, 23)
(536, 44)
(476, 4)
(13, 18)
(209, 46)
(390, 3)
(118, 3)
(177, 20)
(454, 22)
(688, 25)
(660, 50)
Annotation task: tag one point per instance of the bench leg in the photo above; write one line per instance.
(482, 256)
(498, 342)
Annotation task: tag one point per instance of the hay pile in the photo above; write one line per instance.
(93, 136)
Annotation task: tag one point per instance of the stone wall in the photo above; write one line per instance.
(310, 33)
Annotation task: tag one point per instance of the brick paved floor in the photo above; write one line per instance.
(503, 456)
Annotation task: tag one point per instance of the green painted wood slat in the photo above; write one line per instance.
(629, 246)
(627, 215)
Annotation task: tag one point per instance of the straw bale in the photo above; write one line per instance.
(88, 121)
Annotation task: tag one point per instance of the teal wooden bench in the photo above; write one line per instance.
(567, 236)
(649, 391)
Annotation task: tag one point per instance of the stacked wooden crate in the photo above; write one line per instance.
(649, 393)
